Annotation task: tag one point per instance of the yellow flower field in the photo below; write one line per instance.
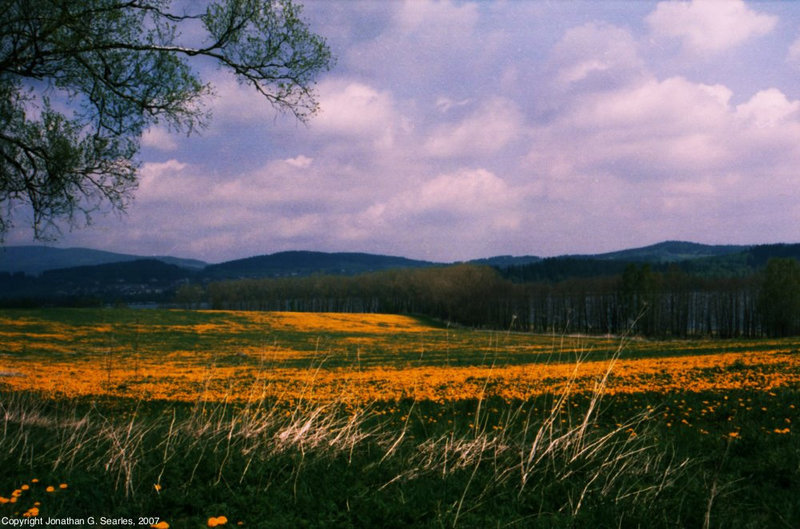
(355, 359)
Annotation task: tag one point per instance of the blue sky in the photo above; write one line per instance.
(458, 130)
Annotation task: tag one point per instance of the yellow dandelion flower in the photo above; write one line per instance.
(157, 486)
(218, 520)
(50, 488)
(34, 480)
(62, 486)
(17, 493)
(25, 487)
(733, 435)
(4, 500)
(160, 525)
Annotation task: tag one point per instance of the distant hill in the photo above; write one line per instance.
(43, 275)
(695, 259)
(740, 263)
(147, 280)
(303, 263)
(34, 260)
(671, 252)
(507, 260)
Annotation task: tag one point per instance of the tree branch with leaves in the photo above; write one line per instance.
(81, 81)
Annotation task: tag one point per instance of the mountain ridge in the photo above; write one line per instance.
(33, 260)
(305, 262)
(147, 279)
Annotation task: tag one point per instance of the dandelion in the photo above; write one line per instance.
(157, 487)
(35, 480)
(62, 486)
(215, 521)
(733, 435)
(25, 487)
(50, 488)
(160, 525)
(4, 500)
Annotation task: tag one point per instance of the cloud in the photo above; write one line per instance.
(455, 215)
(160, 139)
(164, 180)
(351, 110)
(768, 108)
(492, 127)
(460, 129)
(708, 27)
(652, 108)
(429, 43)
(670, 157)
(477, 198)
(595, 50)
(299, 162)
(235, 102)
(793, 56)
(445, 104)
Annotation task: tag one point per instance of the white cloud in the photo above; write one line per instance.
(429, 43)
(300, 162)
(768, 108)
(445, 104)
(355, 110)
(164, 180)
(159, 138)
(592, 49)
(793, 57)
(459, 129)
(476, 197)
(709, 26)
(653, 108)
(235, 102)
(488, 130)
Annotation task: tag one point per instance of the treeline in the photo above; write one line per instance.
(668, 303)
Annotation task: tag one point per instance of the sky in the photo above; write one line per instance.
(455, 130)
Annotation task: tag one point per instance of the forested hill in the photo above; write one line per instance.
(669, 265)
(303, 263)
(671, 251)
(690, 258)
(33, 260)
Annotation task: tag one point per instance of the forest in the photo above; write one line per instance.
(647, 300)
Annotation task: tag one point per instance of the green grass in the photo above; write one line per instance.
(650, 460)
(407, 465)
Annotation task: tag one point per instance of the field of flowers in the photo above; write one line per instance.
(355, 358)
(195, 418)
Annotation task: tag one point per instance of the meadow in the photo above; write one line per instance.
(268, 419)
